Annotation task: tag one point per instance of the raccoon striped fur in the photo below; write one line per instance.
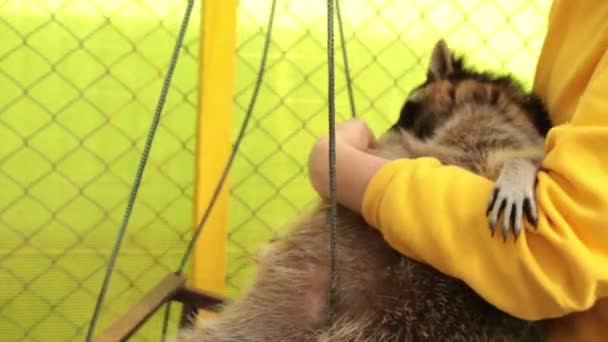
(474, 120)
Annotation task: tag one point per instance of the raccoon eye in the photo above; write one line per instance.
(424, 127)
(410, 112)
(424, 130)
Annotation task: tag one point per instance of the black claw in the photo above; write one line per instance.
(530, 216)
(501, 209)
(517, 233)
(491, 205)
(503, 204)
(492, 229)
(512, 218)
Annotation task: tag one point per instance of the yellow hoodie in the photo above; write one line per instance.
(436, 213)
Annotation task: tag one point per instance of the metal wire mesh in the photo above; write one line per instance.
(79, 81)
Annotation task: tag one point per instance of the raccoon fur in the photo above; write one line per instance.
(459, 116)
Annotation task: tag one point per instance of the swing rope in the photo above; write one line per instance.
(349, 85)
(333, 211)
(220, 184)
(248, 115)
(140, 171)
(200, 226)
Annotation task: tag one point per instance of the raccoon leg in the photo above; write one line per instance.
(361, 328)
(286, 302)
(248, 327)
(513, 196)
(267, 313)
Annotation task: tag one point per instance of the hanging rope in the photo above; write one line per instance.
(333, 212)
(349, 86)
(150, 139)
(237, 143)
(140, 171)
(228, 165)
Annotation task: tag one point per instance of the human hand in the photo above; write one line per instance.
(354, 165)
(354, 133)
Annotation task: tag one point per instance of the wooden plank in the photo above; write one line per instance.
(129, 323)
(197, 304)
(199, 298)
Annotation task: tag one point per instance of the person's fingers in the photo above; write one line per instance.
(356, 133)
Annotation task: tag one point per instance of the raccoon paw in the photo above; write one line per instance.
(513, 197)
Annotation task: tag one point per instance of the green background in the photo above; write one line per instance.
(79, 81)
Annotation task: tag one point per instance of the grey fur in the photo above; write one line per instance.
(382, 295)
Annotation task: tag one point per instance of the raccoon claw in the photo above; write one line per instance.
(513, 197)
(510, 204)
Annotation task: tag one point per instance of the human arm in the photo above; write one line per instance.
(354, 167)
(436, 214)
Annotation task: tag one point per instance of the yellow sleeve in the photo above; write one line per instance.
(436, 214)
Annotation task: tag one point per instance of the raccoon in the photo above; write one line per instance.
(486, 124)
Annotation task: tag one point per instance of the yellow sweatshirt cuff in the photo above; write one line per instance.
(374, 193)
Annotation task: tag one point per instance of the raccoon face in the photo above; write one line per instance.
(431, 102)
(426, 107)
(449, 85)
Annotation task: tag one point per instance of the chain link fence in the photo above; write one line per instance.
(79, 81)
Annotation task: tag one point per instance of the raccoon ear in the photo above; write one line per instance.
(442, 62)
